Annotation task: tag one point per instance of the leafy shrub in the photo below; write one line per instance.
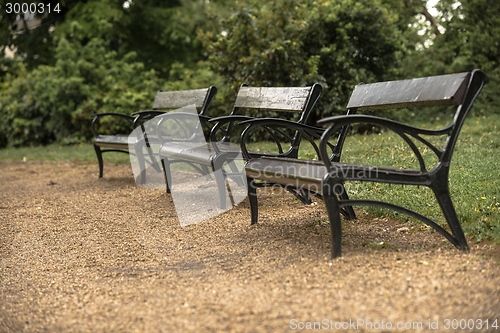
(297, 43)
(54, 103)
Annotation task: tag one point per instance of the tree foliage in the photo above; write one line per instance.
(54, 103)
(159, 32)
(34, 45)
(295, 43)
(113, 55)
(472, 40)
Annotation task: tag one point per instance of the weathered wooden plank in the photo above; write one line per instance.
(277, 98)
(178, 99)
(426, 91)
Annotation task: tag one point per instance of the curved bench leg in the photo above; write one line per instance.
(234, 170)
(166, 172)
(206, 172)
(221, 182)
(140, 160)
(444, 199)
(300, 194)
(252, 196)
(333, 209)
(98, 152)
(348, 210)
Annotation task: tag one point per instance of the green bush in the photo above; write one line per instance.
(199, 76)
(54, 103)
(298, 43)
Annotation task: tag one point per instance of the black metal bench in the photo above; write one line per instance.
(219, 151)
(164, 101)
(325, 178)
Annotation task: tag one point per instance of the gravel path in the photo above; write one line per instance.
(82, 254)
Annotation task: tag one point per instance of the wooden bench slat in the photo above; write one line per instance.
(309, 174)
(294, 172)
(428, 91)
(178, 99)
(278, 98)
(112, 141)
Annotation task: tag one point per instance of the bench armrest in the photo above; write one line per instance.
(276, 130)
(96, 118)
(406, 132)
(231, 118)
(187, 123)
(340, 121)
(226, 132)
(147, 112)
(144, 115)
(100, 115)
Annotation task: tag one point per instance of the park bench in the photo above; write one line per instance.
(163, 102)
(325, 177)
(219, 154)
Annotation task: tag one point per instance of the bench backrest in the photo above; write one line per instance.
(300, 100)
(288, 99)
(459, 89)
(202, 98)
(175, 99)
(427, 91)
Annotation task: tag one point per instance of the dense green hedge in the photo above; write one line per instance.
(87, 65)
(292, 43)
(54, 103)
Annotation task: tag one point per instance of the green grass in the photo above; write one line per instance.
(55, 152)
(474, 181)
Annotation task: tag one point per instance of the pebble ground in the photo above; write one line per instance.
(82, 254)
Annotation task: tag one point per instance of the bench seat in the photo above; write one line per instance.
(119, 141)
(195, 152)
(309, 175)
(292, 172)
